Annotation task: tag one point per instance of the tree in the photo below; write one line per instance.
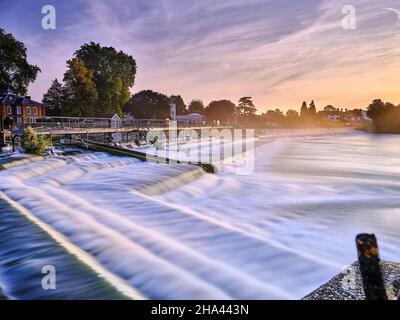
(113, 75)
(304, 110)
(375, 109)
(292, 113)
(385, 116)
(312, 111)
(32, 143)
(196, 105)
(330, 108)
(15, 71)
(246, 107)
(52, 99)
(275, 116)
(148, 104)
(180, 104)
(79, 93)
(220, 110)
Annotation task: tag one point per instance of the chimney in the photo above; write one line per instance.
(28, 97)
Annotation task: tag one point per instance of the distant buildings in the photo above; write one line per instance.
(349, 116)
(356, 115)
(17, 111)
(192, 118)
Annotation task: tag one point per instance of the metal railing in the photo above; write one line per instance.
(65, 123)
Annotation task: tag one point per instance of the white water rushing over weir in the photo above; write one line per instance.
(174, 232)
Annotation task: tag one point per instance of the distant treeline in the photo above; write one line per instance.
(98, 80)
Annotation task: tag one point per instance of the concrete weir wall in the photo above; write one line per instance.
(348, 284)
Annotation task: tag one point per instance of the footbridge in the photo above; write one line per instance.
(82, 125)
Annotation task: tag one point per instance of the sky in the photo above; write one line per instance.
(279, 52)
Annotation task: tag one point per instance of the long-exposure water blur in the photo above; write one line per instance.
(164, 231)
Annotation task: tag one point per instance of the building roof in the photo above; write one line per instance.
(28, 101)
(10, 98)
(194, 114)
(354, 113)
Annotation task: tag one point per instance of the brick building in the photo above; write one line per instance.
(19, 112)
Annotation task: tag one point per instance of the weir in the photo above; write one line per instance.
(120, 151)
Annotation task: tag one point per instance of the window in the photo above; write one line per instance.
(34, 110)
(19, 110)
(9, 109)
(28, 110)
(19, 120)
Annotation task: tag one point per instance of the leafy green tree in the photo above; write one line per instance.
(34, 144)
(180, 104)
(148, 104)
(246, 107)
(79, 92)
(196, 106)
(15, 71)
(114, 74)
(52, 98)
(220, 110)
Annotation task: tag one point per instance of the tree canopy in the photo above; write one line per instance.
(196, 105)
(148, 104)
(292, 113)
(276, 116)
(312, 111)
(385, 116)
(180, 104)
(304, 109)
(79, 91)
(114, 74)
(97, 82)
(52, 99)
(220, 110)
(246, 107)
(15, 71)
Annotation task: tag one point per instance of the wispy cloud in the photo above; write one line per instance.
(279, 52)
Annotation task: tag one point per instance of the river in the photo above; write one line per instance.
(115, 227)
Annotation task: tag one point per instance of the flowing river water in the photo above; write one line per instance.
(115, 228)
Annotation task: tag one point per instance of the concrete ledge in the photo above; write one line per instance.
(348, 284)
(7, 163)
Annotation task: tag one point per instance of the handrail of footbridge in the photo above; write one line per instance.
(70, 125)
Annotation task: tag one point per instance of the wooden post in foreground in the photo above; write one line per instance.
(368, 257)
